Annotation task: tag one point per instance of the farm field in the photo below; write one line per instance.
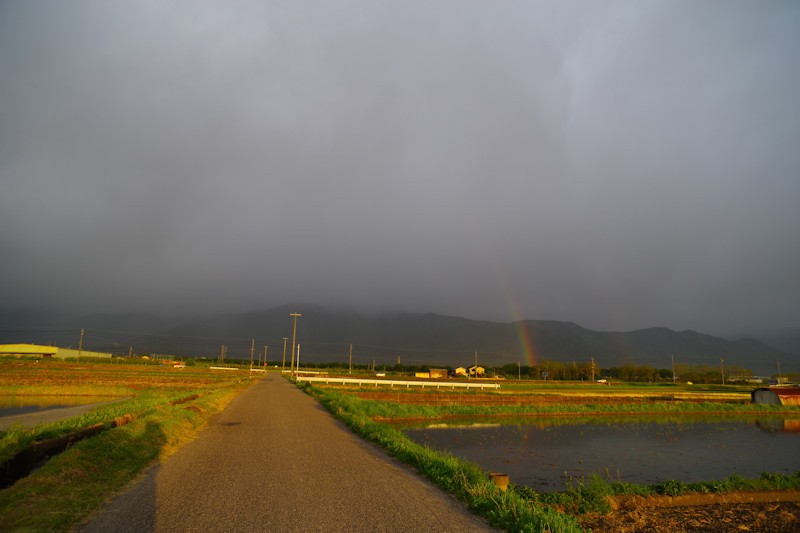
(741, 507)
(158, 408)
(535, 398)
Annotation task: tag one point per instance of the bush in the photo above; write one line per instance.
(671, 488)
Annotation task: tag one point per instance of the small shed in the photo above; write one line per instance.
(438, 373)
(776, 395)
(476, 370)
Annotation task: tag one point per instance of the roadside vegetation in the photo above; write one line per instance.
(160, 409)
(595, 493)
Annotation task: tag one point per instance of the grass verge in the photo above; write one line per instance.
(74, 483)
(594, 493)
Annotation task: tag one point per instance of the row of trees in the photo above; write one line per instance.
(575, 371)
(555, 370)
(632, 373)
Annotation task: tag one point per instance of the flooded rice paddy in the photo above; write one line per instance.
(544, 455)
(24, 404)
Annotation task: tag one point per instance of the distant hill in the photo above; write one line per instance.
(325, 334)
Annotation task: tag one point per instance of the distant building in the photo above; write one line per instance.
(476, 371)
(473, 371)
(27, 350)
(433, 373)
(37, 350)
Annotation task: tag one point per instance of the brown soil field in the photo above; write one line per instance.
(777, 511)
(436, 398)
(466, 399)
(67, 374)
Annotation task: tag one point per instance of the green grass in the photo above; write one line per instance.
(592, 494)
(17, 437)
(72, 484)
(384, 409)
(467, 481)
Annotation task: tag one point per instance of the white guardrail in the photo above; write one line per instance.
(400, 383)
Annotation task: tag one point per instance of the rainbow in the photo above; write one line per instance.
(523, 335)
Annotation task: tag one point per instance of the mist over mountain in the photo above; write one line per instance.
(326, 334)
(619, 165)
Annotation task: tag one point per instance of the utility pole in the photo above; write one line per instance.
(476, 361)
(351, 359)
(283, 364)
(294, 336)
(722, 369)
(673, 370)
(592, 369)
(780, 378)
(80, 344)
(265, 357)
(221, 353)
(130, 351)
(252, 349)
(298, 358)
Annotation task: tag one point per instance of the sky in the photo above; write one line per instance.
(618, 164)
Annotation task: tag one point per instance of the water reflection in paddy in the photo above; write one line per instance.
(543, 454)
(22, 404)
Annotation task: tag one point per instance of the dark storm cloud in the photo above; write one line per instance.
(619, 164)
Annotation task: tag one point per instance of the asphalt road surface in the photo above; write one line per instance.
(275, 460)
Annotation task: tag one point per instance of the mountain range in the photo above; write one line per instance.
(326, 334)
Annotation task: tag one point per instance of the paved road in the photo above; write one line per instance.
(275, 460)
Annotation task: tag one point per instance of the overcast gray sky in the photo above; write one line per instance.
(617, 164)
